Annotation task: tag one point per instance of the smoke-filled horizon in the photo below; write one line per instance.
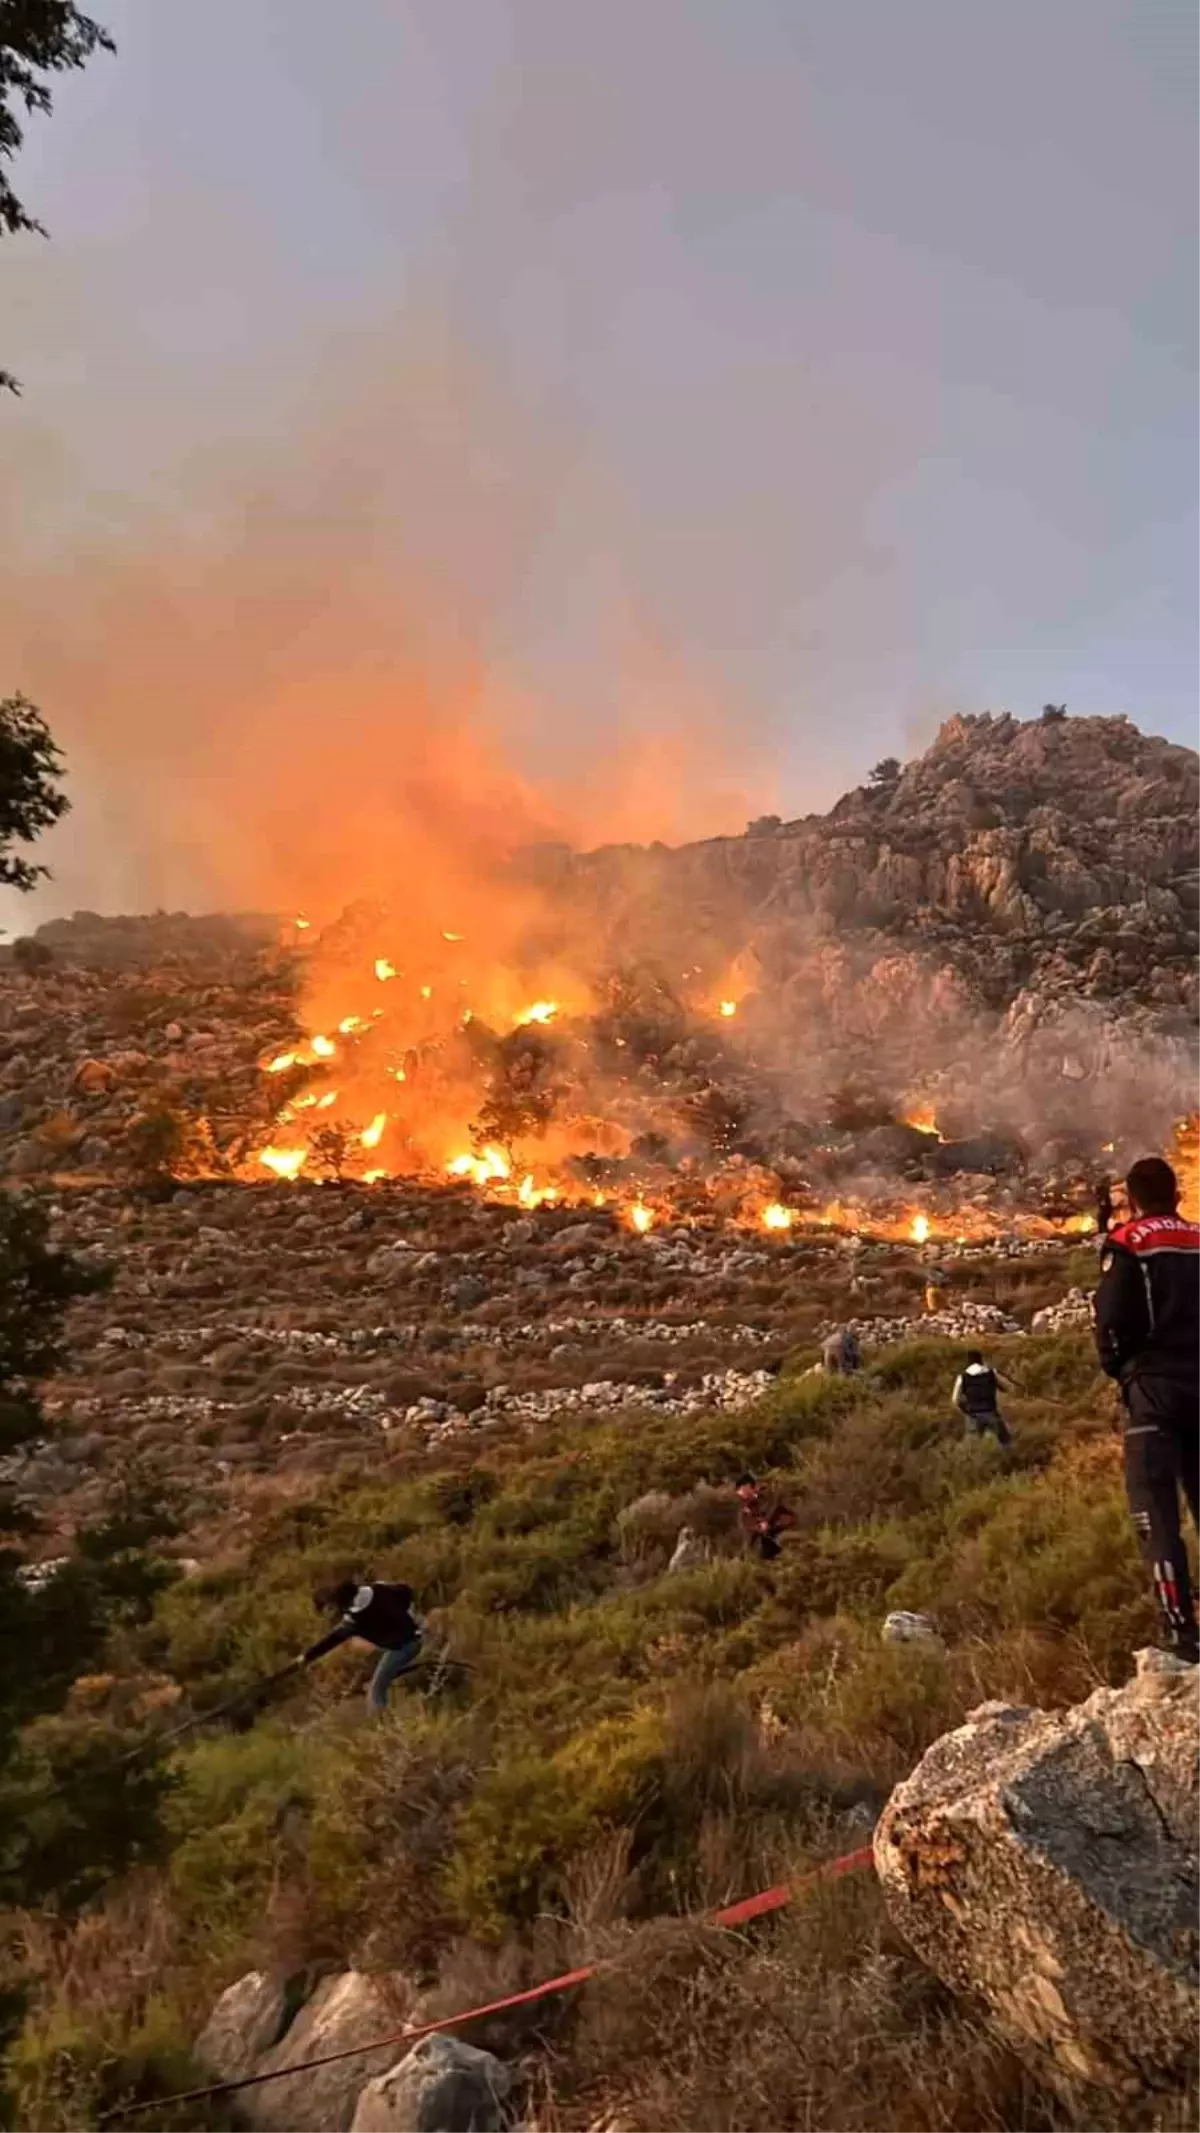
(522, 422)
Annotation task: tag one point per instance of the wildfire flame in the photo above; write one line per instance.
(727, 1008)
(776, 1216)
(641, 1217)
(919, 1230)
(486, 1169)
(281, 1064)
(383, 969)
(324, 1047)
(285, 1162)
(372, 1135)
(924, 1119)
(541, 1011)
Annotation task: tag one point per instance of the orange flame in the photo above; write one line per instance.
(285, 1162)
(383, 969)
(372, 1135)
(727, 1008)
(324, 1047)
(919, 1229)
(641, 1217)
(486, 1169)
(541, 1011)
(776, 1216)
(280, 1064)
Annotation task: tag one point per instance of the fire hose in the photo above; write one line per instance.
(733, 1915)
(441, 1667)
(156, 1741)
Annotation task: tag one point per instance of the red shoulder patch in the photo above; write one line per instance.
(1157, 1233)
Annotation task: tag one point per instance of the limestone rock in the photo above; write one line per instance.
(1047, 1861)
(690, 1550)
(442, 2086)
(247, 2020)
(94, 1077)
(344, 2010)
(905, 1628)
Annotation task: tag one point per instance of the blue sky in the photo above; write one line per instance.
(843, 352)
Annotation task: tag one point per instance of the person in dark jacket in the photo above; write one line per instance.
(382, 1615)
(976, 1396)
(762, 1522)
(1147, 1326)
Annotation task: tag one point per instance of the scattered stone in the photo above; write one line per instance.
(1073, 1310)
(904, 1628)
(690, 1551)
(94, 1077)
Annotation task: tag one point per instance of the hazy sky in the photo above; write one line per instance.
(838, 354)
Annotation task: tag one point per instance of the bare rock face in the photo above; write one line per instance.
(247, 2020)
(344, 2011)
(1047, 1861)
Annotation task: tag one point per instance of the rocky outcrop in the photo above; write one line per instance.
(260, 2027)
(1047, 1862)
(441, 2086)
(343, 2012)
(248, 2019)
(1031, 880)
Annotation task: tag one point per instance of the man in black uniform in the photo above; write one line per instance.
(382, 1615)
(1147, 1319)
(977, 1397)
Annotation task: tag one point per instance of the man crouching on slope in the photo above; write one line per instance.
(1147, 1322)
(381, 1615)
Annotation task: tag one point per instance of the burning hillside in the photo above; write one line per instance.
(946, 1010)
(894, 1017)
(626, 1091)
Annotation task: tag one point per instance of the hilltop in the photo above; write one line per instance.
(1036, 855)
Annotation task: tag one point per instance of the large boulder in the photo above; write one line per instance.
(1047, 1861)
(441, 2086)
(247, 2020)
(347, 2010)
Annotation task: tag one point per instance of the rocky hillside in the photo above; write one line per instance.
(1005, 930)
(1037, 857)
(1015, 908)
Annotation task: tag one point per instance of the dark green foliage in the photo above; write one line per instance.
(36, 1285)
(30, 764)
(31, 955)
